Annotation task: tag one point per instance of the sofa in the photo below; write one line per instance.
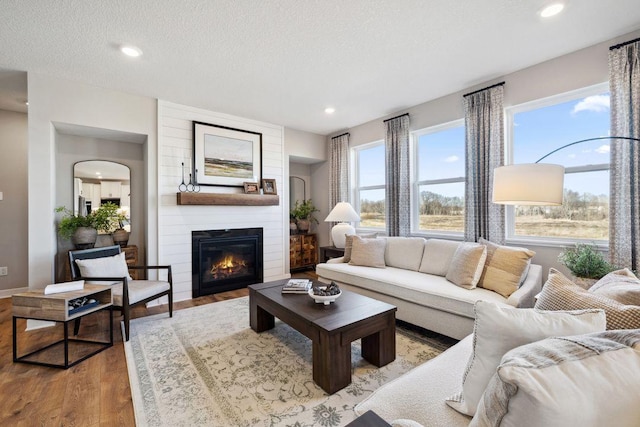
(418, 276)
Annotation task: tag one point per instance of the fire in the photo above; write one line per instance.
(228, 266)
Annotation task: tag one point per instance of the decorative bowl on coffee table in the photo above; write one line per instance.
(324, 299)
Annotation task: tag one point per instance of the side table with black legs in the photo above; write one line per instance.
(328, 252)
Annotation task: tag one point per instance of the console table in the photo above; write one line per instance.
(303, 251)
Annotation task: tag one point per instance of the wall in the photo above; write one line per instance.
(58, 100)
(13, 207)
(175, 223)
(576, 70)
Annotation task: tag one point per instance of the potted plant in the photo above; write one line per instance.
(302, 213)
(83, 229)
(586, 263)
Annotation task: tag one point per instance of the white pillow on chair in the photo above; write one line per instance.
(109, 266)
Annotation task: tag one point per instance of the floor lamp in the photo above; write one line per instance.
(535, 183)
(343, 214)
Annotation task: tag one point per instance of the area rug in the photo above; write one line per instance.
(207, 367)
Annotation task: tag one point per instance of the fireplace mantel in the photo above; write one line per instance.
(235, 199)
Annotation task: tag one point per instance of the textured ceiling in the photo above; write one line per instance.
(284, 61)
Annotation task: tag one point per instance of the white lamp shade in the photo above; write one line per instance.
(528, 184)
(342, 212)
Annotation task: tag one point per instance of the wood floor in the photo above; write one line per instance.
(93, 393)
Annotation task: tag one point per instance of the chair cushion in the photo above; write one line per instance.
(587, 380)
(138, 290)
(499, 329)
(108, 266)
(560, 293)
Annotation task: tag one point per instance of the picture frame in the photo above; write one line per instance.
(224, 156)
(269, 186)
(251, 188)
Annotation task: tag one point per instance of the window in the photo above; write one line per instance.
(439, 179)
(540, 127)
(370, 184)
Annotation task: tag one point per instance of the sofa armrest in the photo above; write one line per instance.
(524, 296)
(336, 260)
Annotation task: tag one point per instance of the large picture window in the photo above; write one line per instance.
(537, 128)
(370, 185)
(439, 179)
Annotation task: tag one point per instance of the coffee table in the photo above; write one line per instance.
(331, 328)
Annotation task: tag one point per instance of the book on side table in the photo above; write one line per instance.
(297, 286)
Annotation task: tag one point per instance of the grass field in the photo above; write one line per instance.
(525, 226)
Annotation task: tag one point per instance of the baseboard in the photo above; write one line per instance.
(6, 293)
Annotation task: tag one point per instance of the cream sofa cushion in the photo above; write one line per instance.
(505, 267)
(498, 329)
(620, 285)
(404, 252)
(437, 256)
(466, 266)
(348, 244)
(368, 252)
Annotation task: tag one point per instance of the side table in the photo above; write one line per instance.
(35, 305)
(328, 252)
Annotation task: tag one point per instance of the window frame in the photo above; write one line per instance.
(509, 113)
(416, 183)
(355, 178)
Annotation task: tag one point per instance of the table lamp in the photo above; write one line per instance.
(343, 214)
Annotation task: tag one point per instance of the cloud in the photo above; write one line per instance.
(572, 156)
(595, 103)
(451, 159)
(603, 149)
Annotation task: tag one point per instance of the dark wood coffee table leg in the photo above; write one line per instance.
(331, 362)
(259, 318)
(380, 348)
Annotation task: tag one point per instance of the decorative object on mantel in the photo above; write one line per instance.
(269, 186)
(302, 213)
(251, 188)
(586, 263)
(235, 199)
(192, 186)
(226, 156)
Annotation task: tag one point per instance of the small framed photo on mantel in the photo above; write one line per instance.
(269, 186)
(251, 188)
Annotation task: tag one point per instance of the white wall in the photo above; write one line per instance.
(57, 100)
(576, 70)
(176, 222)
(13, 206)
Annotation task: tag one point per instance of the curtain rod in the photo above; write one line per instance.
(396, 117)
(480, 90)
(618, 46)
(342, 134)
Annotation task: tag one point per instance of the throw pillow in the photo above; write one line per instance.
(505, 268)
(560, 293)
(109, 266)
(620, 285)
(467, 264)
(437, 256)
(368, 252)
(348, 244)
(498, 329)
(588, 380)
(404, 252)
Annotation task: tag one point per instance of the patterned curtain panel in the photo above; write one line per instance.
(484, 125)
(338, 171)
(398, 184)
(624, 208)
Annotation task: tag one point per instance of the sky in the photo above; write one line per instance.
(535, 132)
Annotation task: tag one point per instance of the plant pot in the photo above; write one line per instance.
(84, 237)
(120, 237)
(293, 228)
(583, 282)
(303, 225)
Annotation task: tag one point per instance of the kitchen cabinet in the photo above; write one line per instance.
(110, 189)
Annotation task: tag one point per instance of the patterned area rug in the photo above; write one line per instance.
(206, 367)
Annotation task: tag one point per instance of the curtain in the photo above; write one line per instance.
(398, 183)
(338, 171)
(624, 207)
(484, 140)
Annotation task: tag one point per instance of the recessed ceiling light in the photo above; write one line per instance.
(551, 10)
(131, 51)
(329, 110)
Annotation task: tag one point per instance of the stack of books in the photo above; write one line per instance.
(297, 286)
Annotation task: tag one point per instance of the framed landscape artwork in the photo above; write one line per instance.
(226, 156)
